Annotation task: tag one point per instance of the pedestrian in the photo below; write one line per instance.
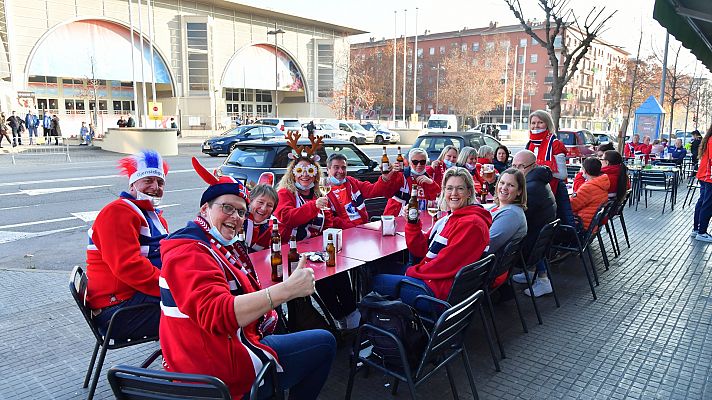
(174, 125)
(121, 123)
(130, 122)
(3, 130)
(703, 208)
(56, 130)
(31, 122)
(310, 129)
(15, 124)
(90, 136)
(46, 126)
(83, 133)
(695, 146)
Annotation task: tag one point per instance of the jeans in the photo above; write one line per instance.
(703, 208)
(132, 325)
(305, 358)
(386, 284)
(16, 136)
(32, 132)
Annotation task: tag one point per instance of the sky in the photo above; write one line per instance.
(377, 17)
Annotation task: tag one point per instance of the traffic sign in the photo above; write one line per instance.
(155, 111)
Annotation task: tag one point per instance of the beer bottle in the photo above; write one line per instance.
(413, 213)
(330, 251)
(400, 159)
(385, 163)
(292, 256)
(276, 256)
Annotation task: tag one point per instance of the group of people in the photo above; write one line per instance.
(15, 126)
(128, 122)
(660, 149)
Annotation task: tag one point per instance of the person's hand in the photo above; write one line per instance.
(435, 164)
(322, 203)
(394, 168)
(423, 180)
(301, 282)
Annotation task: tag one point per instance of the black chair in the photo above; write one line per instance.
(655, 181)
(447, 341)
(505, 261)
(692, 186)
(617, 211)
(375, 206)
(468, 279)
(572, 170)
(539, 253)
(78, 289)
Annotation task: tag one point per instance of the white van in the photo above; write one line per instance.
(442, 122)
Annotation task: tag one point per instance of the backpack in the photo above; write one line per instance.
(401, 320)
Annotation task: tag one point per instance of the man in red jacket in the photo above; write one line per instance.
(123, 259)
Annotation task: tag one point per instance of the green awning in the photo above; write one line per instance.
(690, 22)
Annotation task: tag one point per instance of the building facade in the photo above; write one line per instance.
(526, 79)
(207, 62)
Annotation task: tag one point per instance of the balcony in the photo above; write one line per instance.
(549, 79)
(586, 99)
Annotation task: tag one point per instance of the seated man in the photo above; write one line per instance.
(677, 152)
(592, 193)
(632, 147)
(123, 259)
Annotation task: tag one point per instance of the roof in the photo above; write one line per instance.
(650, 106)
(283, 142)
(690, 21)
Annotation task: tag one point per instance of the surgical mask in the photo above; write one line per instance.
(156, 201)
(335, 181)
(470, 166)
(302, 187)
(219, 237)
(416, 173)
(535, 131)
(448, 163)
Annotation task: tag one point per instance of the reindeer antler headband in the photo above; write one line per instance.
(306, 152)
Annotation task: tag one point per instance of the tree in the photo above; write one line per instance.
(558, 17)
(356, 94)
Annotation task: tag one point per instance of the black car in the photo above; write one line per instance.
(433, 142)
(251, 158)
(226, 142)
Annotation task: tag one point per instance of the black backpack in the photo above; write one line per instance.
(400, 319)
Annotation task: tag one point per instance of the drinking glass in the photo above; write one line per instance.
(324, 186)
(433, 209)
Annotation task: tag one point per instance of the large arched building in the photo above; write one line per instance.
(208, 62)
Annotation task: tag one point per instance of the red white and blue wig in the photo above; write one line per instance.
(145, 163)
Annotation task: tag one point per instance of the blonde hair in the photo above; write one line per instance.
(445, 150)
(463, 173)
(465, 153)
(544, 116)
(521, 200)
(287, 181)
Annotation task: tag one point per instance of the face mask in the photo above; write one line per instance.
(416, 173)
(302, 187)
(219, 237)
(448, 163)
(469, 166)
(156, 201)
(335, 181)
(535, 131)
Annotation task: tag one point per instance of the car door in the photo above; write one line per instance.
(589, 142)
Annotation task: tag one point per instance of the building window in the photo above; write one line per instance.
(464, 47)
(442, 50)
(504, 44)
(420, 52)
(557, 42)
(533, 58)
(325, 73)
(4, 49)
(523, 42)
(489, 46)
(432, 51)
(198, 64)
(521, 59)
(476, 46)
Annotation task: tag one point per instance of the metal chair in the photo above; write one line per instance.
(617, 211)
(375, 207)
(447, 341)
(501, 272)
(692, 186)
(78, 289)
(133, 383)
(572, 170)
(655, 181)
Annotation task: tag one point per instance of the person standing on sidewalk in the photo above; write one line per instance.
(56, 130)
(3, 130)
(703, 208)
(46, 126)
(31, 122)
(15, 124)
(123, 257)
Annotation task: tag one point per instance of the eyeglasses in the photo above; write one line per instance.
(418, 162)
(310, 170)
(522, 166)
(459, 189)
(230, 210)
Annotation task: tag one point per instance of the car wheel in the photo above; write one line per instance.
(379, 139)
(353, 140)
(233, 147)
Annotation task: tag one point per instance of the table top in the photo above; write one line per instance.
(664, 168)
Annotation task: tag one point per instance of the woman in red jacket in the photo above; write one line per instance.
(258, 223)
(458, 239)
(448, 158)
(703, 208)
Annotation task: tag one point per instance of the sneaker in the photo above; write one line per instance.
(541, 287)
(704, 237)
(520, 278)
(693, 234)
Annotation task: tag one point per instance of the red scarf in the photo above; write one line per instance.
(543, 143)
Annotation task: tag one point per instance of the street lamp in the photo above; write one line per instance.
(275, 32)
(437, 87)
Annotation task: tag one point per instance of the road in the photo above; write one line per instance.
(47, 204)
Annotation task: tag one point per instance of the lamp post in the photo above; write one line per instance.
(437, 87)
(275, 32)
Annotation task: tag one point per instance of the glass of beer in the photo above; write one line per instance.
(488, 171)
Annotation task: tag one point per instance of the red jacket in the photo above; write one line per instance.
(453, 242)
(704, 172)
(589, 197)
(121, 241)
(427, 192)
(437, 173)
(291, 216)
(356, 192)
(198, 330)
(257, 237)
(612, 171)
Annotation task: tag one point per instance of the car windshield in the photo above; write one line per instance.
(437, 124)
(291, 123)
(235, 131)
(251, 156)
(326, 127)
(352, 157)
(357, 127)
(567, 138)
(434, 144)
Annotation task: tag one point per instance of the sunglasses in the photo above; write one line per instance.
(418, 162)
(309, 171)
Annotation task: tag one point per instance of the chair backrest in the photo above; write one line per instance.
(504, 260)
(469, 279)
(597, 220)
(543, 242)
(129, 383)
(572, 170)
(657, 178)
(375, 206)
(620, 206)
(448, 333)
(78, 288)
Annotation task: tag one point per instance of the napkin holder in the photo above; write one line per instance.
(336, 234)
(388, 225)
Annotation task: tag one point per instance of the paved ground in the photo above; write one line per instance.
(647, 336)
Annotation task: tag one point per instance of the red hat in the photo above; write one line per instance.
(219, 186)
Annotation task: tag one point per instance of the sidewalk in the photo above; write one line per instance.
(648, 336)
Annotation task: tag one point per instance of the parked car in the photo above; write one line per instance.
(226, 142)
(252, 158)
(283, 124)
(383, 134)
(327, 131)
(505, 130)
(433, 142)
(578, 142)
(606, 137)
(356, 136)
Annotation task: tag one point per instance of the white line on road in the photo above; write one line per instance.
(46, 221)
(16, 207)
(7, 236)
(37, 192)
